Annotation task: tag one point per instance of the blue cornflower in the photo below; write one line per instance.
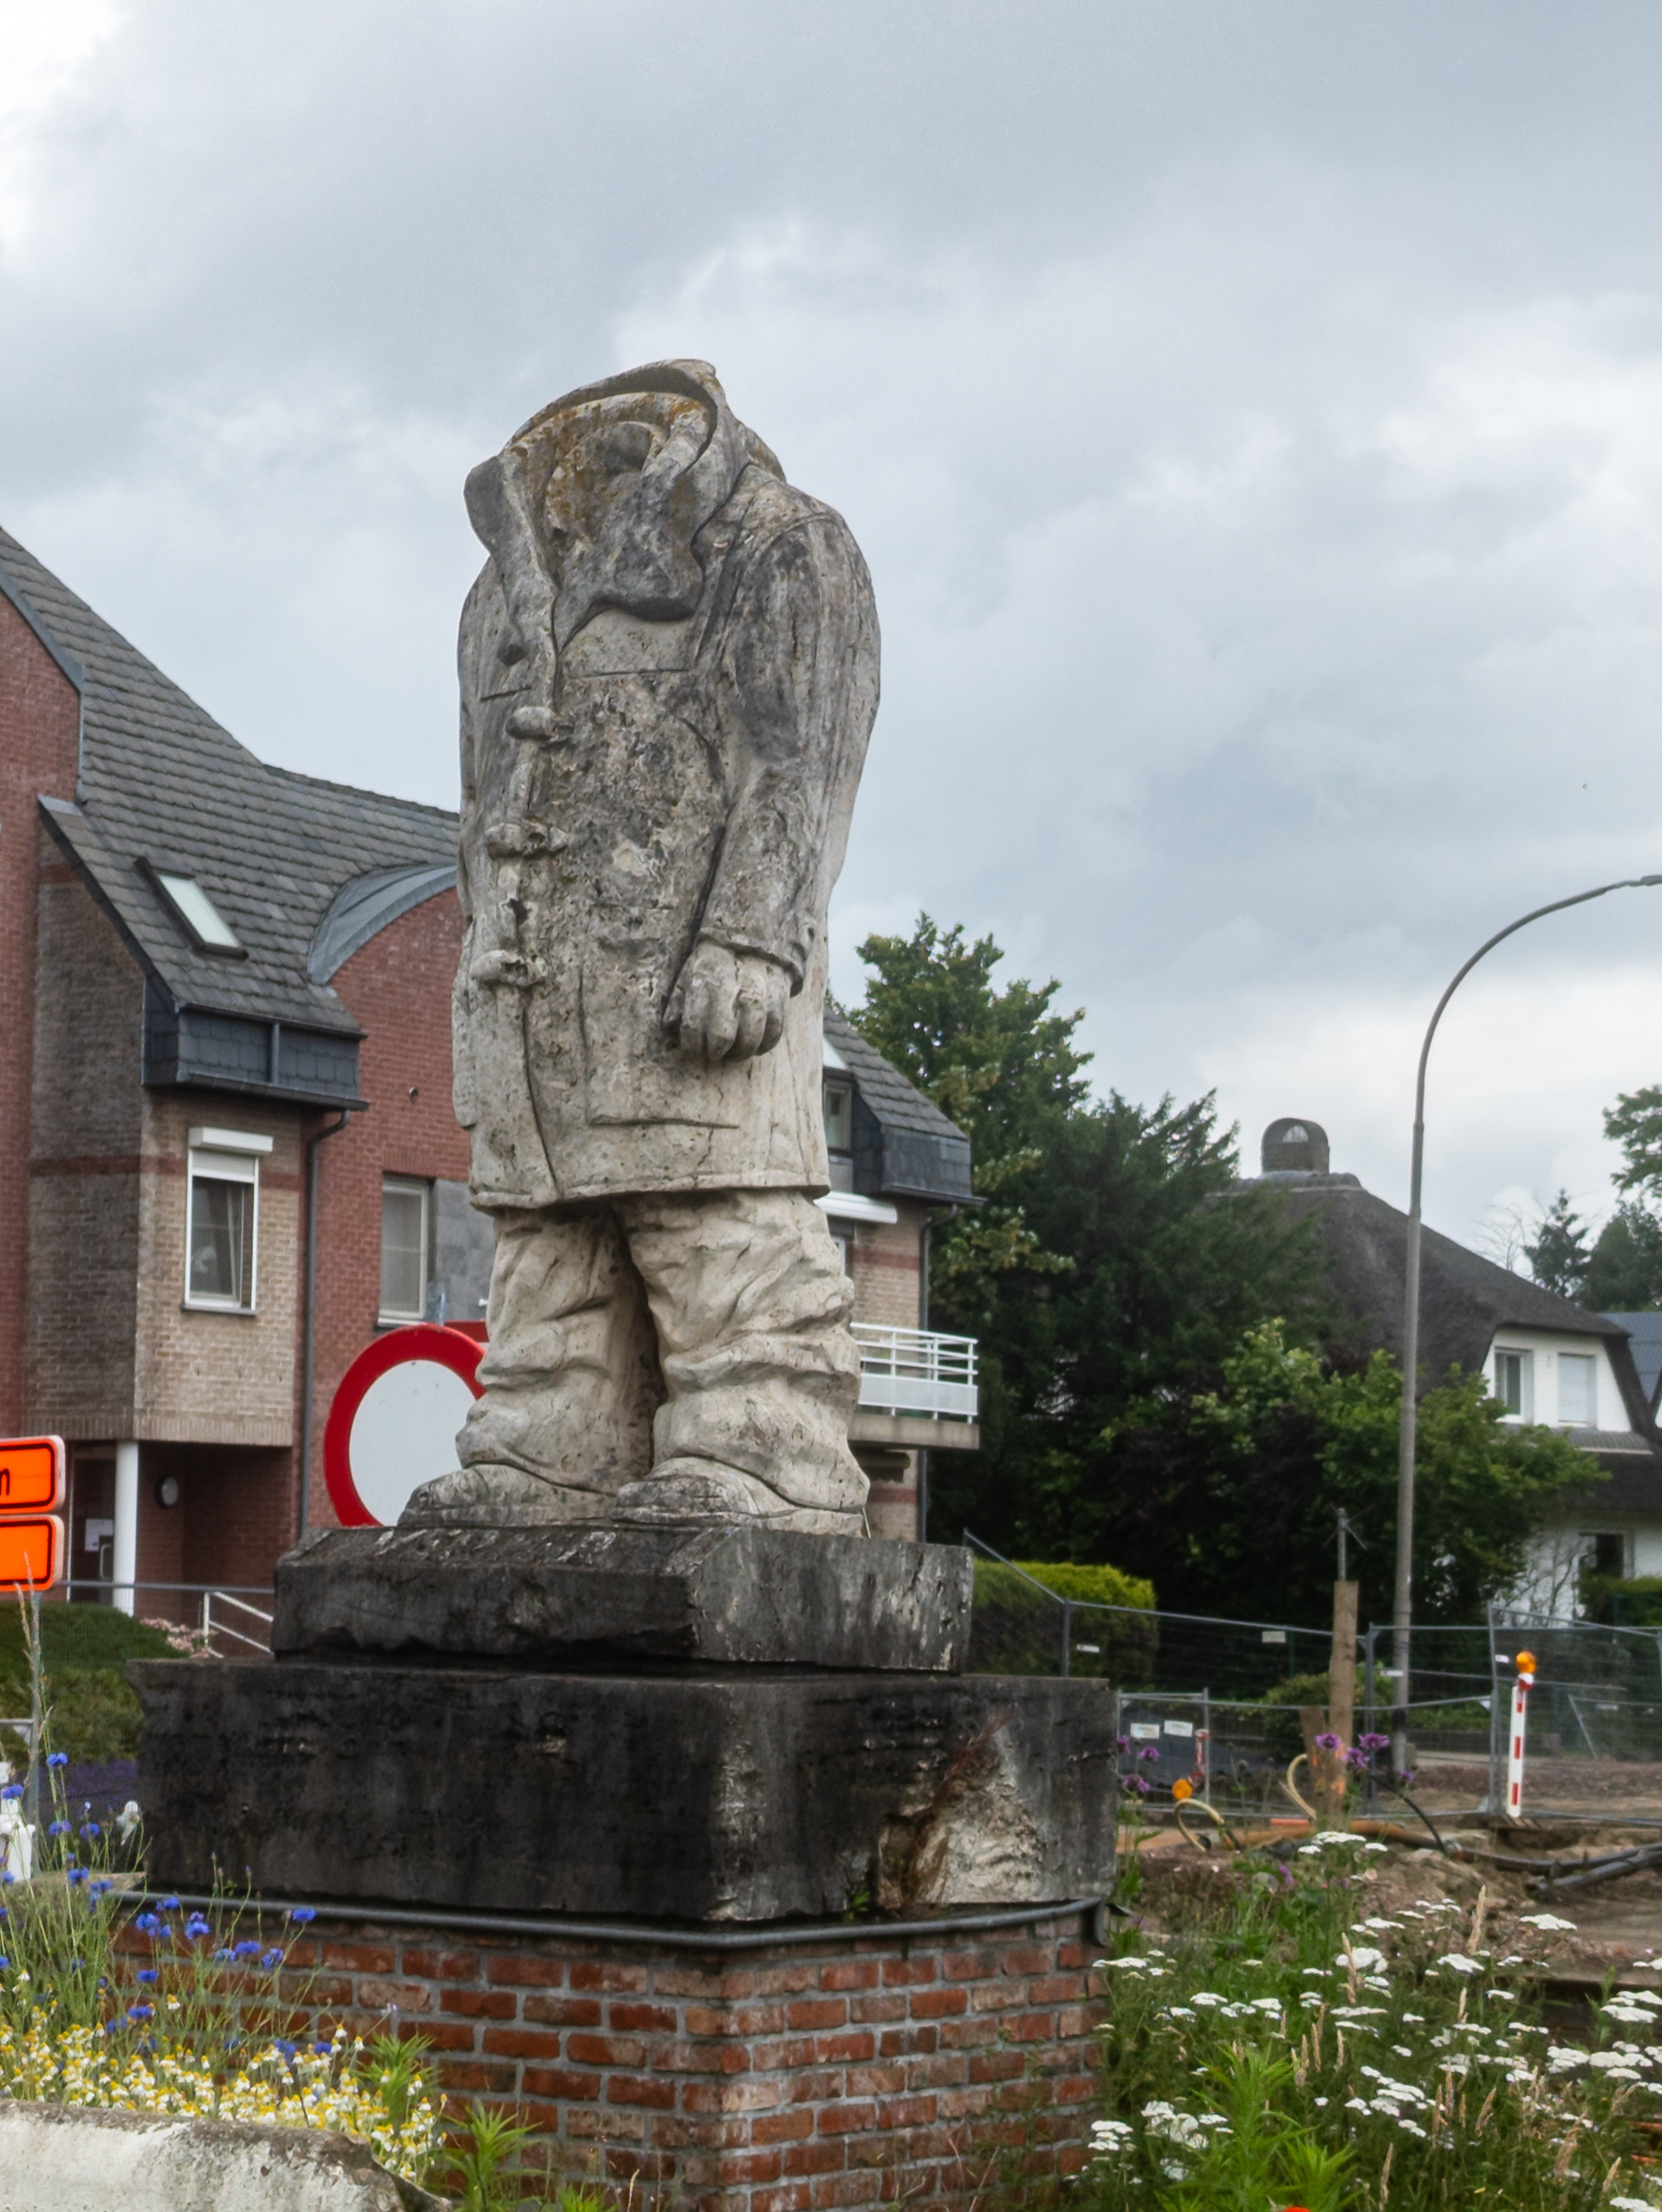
(303, 1913)
(148, 1924)
(287, 2049)
(221, 1957)
(5, 1966)
(58, 1828)
(170, 1905)
(195, 1928)
(272, 1958)
(148, 1973)
(322, 2049)
(12, 1789)
(77, 1874)
(245, 1949)
(92, 1828)
(101, 1888)
(141, 2011)
(57, 1758)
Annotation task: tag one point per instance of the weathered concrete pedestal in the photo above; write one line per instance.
(603, 1736)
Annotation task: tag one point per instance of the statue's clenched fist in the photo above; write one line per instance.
(728, 1005)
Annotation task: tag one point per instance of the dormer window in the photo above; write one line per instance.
(839, 1115)
(203, 923)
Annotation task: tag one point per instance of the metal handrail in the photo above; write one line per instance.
(918, 1370)
(211, 1628)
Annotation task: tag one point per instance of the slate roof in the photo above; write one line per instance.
(1645, 1336)
(917, 1151)
(160, 781)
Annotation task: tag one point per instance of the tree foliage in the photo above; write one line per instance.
(1101, 1267)
(1625, 1272)
(1560, 1255)
(1234, 1486)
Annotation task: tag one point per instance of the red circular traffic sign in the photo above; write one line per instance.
(394, 1422)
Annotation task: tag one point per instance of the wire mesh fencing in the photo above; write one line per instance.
(1216, 1703)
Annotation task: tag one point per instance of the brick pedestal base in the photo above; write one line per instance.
(829, 2072)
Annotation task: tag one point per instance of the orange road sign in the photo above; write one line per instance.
(31, 1473)
(31, 1551)
(31, 1535)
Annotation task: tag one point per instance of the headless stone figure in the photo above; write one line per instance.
(669, 674)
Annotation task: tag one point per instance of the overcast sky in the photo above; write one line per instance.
(1252, 415)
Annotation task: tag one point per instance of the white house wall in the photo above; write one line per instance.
(1541, 1396)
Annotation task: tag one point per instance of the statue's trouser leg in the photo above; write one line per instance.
(571, 1374)
(752, 1307)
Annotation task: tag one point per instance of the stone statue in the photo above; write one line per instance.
(669, 674)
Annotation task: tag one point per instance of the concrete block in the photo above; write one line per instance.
(71, 2158)
(746, 1794)
(726, 1594)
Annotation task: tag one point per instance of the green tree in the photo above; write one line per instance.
(1625, 1273)
(1004, 1067)
(1635, 1123)
(1216, 1492)
(1559, 1256)
(1102, 1266)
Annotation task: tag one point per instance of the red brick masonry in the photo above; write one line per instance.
(838, 2072)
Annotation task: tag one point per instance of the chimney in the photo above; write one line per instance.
(1294, 1146)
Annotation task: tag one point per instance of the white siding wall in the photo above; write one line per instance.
(1543, 1353)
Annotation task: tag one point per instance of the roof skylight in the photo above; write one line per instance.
(206, 925)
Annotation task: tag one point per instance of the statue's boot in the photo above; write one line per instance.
(500, 1496)
(681, 1490)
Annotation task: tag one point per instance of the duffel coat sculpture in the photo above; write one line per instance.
(669, 674)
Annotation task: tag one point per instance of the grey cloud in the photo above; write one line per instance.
(1251, 416)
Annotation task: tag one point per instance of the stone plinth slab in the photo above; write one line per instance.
(724, 1594)
(66, 2158)
(741, 1794)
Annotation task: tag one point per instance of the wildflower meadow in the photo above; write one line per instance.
(1303, 2052)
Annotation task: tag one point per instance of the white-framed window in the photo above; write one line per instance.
(1515, 1382)
(406, 1231)
(1578, 1393)
(222, 1220)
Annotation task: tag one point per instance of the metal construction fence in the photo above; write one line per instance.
(1216, 1701)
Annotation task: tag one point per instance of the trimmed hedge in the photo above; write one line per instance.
(1635, 1604)
(1016, 1629)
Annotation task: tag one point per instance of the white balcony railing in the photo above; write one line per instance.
(917, 1370)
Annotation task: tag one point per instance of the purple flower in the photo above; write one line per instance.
(1373, 1743)
(1149, 1751)
(1330, 1742)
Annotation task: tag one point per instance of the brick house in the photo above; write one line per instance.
(226, 995)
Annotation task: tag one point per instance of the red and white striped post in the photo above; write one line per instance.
(1521, 1688)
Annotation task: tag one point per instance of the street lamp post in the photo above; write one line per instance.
(1402, 1615)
